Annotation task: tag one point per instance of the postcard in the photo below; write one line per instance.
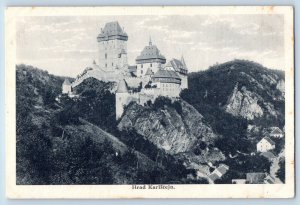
(149, 102)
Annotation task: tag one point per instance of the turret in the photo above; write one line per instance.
(121, 98)
(66, 87)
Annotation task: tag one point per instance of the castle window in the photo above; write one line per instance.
(150, 64)
(141, 71)
(105, 65)
(112, 64)
(105, 55)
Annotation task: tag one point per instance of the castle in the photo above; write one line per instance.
(149, 78)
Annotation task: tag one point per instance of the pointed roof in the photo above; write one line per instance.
(276, 130)
(149, 72)
(122, 87)
(269, 140)
(112, 30)
(151, 52)
(66, 82)
(183, 61)
(178, 66)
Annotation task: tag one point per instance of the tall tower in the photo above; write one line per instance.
(112, 45)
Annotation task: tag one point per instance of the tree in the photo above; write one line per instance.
(281, 171)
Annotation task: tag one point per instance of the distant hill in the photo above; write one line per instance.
(241, 88)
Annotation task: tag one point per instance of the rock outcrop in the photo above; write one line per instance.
(175, 132)
(244, 103)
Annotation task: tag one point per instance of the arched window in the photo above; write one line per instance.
(105, 55)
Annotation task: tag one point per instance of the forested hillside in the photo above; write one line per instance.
(219, 119)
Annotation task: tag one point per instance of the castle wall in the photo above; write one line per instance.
(123, 99)
(99, 74)
(169, 89)
(184, 81)
(143, 67)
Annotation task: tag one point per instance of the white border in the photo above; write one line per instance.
(124, 191)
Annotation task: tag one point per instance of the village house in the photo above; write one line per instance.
(265, 144)
(218, 173)
(276, 132)
(255, 178)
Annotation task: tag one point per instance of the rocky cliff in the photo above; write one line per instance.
(242, 88)
(169, 129)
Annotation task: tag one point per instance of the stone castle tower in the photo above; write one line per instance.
(121, 98)
(112, 44)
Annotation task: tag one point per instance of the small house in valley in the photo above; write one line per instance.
(265, 145)
(276, 132)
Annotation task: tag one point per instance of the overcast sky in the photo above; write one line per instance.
(66, 45)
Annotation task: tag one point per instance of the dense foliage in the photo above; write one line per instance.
(55, 146)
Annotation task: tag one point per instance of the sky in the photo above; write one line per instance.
(67, 45)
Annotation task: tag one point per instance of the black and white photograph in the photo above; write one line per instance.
(153, 99)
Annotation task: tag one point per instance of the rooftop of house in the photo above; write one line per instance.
(268, 155)
(276, 130)
(255, 177)
(269, 140)
(150, 52)
(112, 29)
(213, 177)
(223, 169)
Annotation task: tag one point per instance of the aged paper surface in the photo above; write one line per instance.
(149, 102)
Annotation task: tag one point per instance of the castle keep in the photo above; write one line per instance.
(149, 78)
